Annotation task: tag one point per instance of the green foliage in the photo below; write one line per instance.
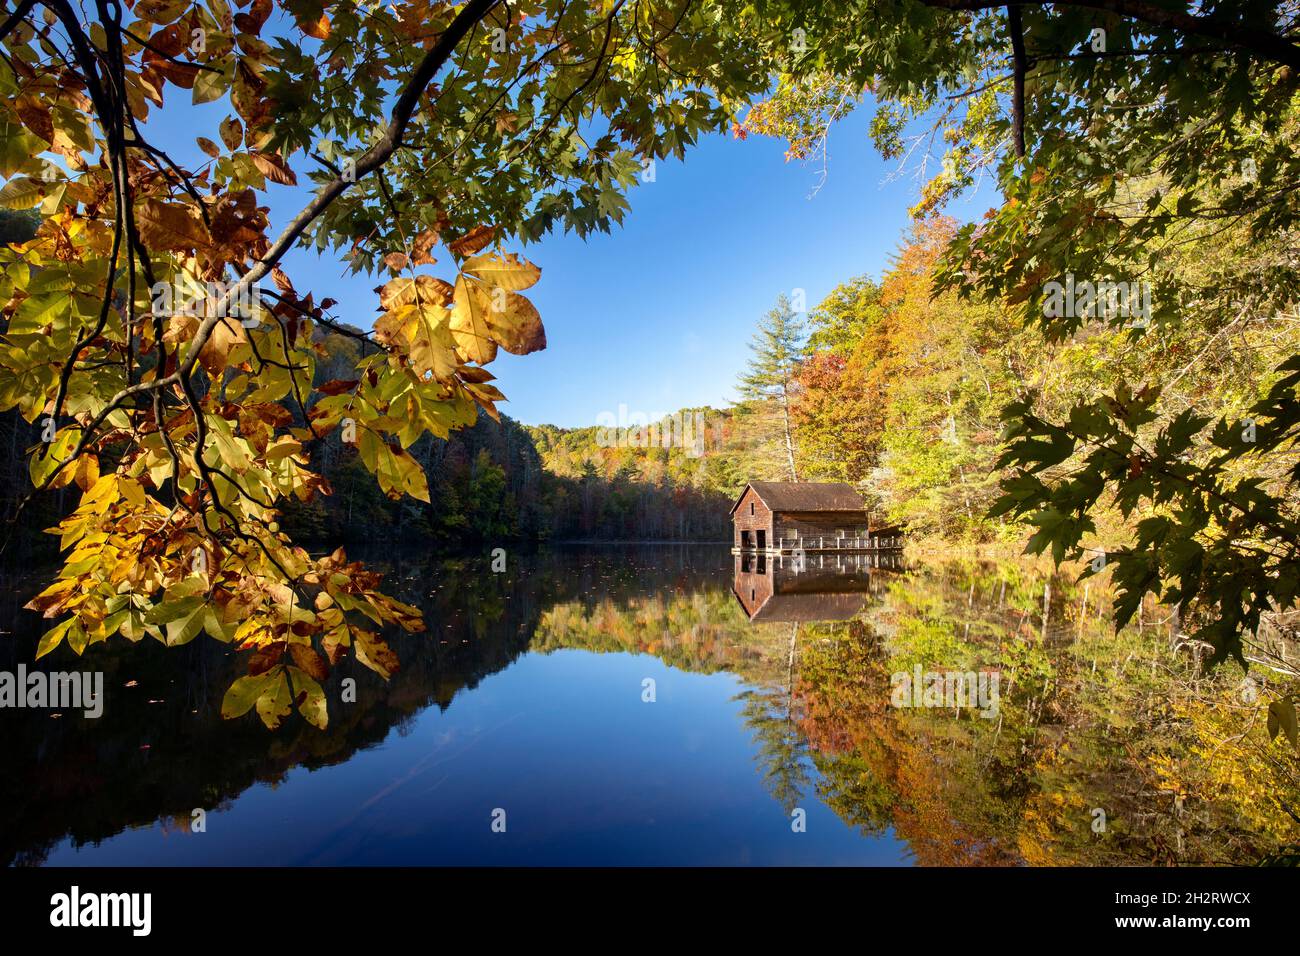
(1162, 155)
(767, 390)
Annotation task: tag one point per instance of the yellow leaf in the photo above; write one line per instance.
(87, 472)
(52, 638)
(311, 698)
(21, 192)
(505, 272)
(425, 337)
(374, 653)
(319, 28)
(424, 290)
(469, 322)
(215, 354)
(275, 703)
(394, 468)
(516, 325)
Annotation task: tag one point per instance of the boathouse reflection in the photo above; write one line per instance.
(809, 587)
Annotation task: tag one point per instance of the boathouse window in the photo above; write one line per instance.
(751, 507)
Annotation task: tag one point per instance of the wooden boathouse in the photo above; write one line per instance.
(792, 517)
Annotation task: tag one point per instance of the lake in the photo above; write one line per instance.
(665, 705)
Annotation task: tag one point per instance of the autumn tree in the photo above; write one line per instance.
(154, 337)
(1151, 144)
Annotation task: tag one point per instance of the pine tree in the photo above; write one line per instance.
(767, 388)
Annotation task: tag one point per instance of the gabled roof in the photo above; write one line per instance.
(804, 496)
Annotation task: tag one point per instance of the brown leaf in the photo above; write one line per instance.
(264, 658)
(274, 168)
(474, 240)
(311, 662)
(252, 21)
(507, 121)
(160, 11)
(232, 132)
(275, 415)
(320, 29)
(209, 147)
(443, 291)
(424, 242)
(36, 116)
(337, 386)
(282, 280)
(169, 226)
(215, 354)
(334, 648)
(518, 327)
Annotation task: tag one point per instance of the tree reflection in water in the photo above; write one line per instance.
(1088, 720)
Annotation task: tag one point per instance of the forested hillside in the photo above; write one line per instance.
(494, 481)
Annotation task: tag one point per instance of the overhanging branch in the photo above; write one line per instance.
(1261, 42)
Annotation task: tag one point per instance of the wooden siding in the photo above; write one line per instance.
(751, 516)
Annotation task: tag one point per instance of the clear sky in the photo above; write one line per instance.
(657, 315)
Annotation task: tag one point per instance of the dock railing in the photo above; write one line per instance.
(842, 540)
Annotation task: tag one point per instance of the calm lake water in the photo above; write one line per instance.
(771, 736)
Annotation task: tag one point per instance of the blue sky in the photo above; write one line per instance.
(656, 316)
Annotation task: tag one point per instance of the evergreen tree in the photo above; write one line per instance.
(767, 389)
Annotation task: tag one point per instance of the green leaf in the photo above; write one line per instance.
(394, 468)
(52, 638)
(188, 624)
(209, 86)
(244, 692)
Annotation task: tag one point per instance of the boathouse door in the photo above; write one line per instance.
(762, 540)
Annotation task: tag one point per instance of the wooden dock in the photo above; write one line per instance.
(838, 543)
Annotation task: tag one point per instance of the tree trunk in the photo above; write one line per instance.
(789, 437)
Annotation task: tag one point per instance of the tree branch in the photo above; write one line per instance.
(16, 17)
(372, 159)
(1019, 66)
(1261, 42)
